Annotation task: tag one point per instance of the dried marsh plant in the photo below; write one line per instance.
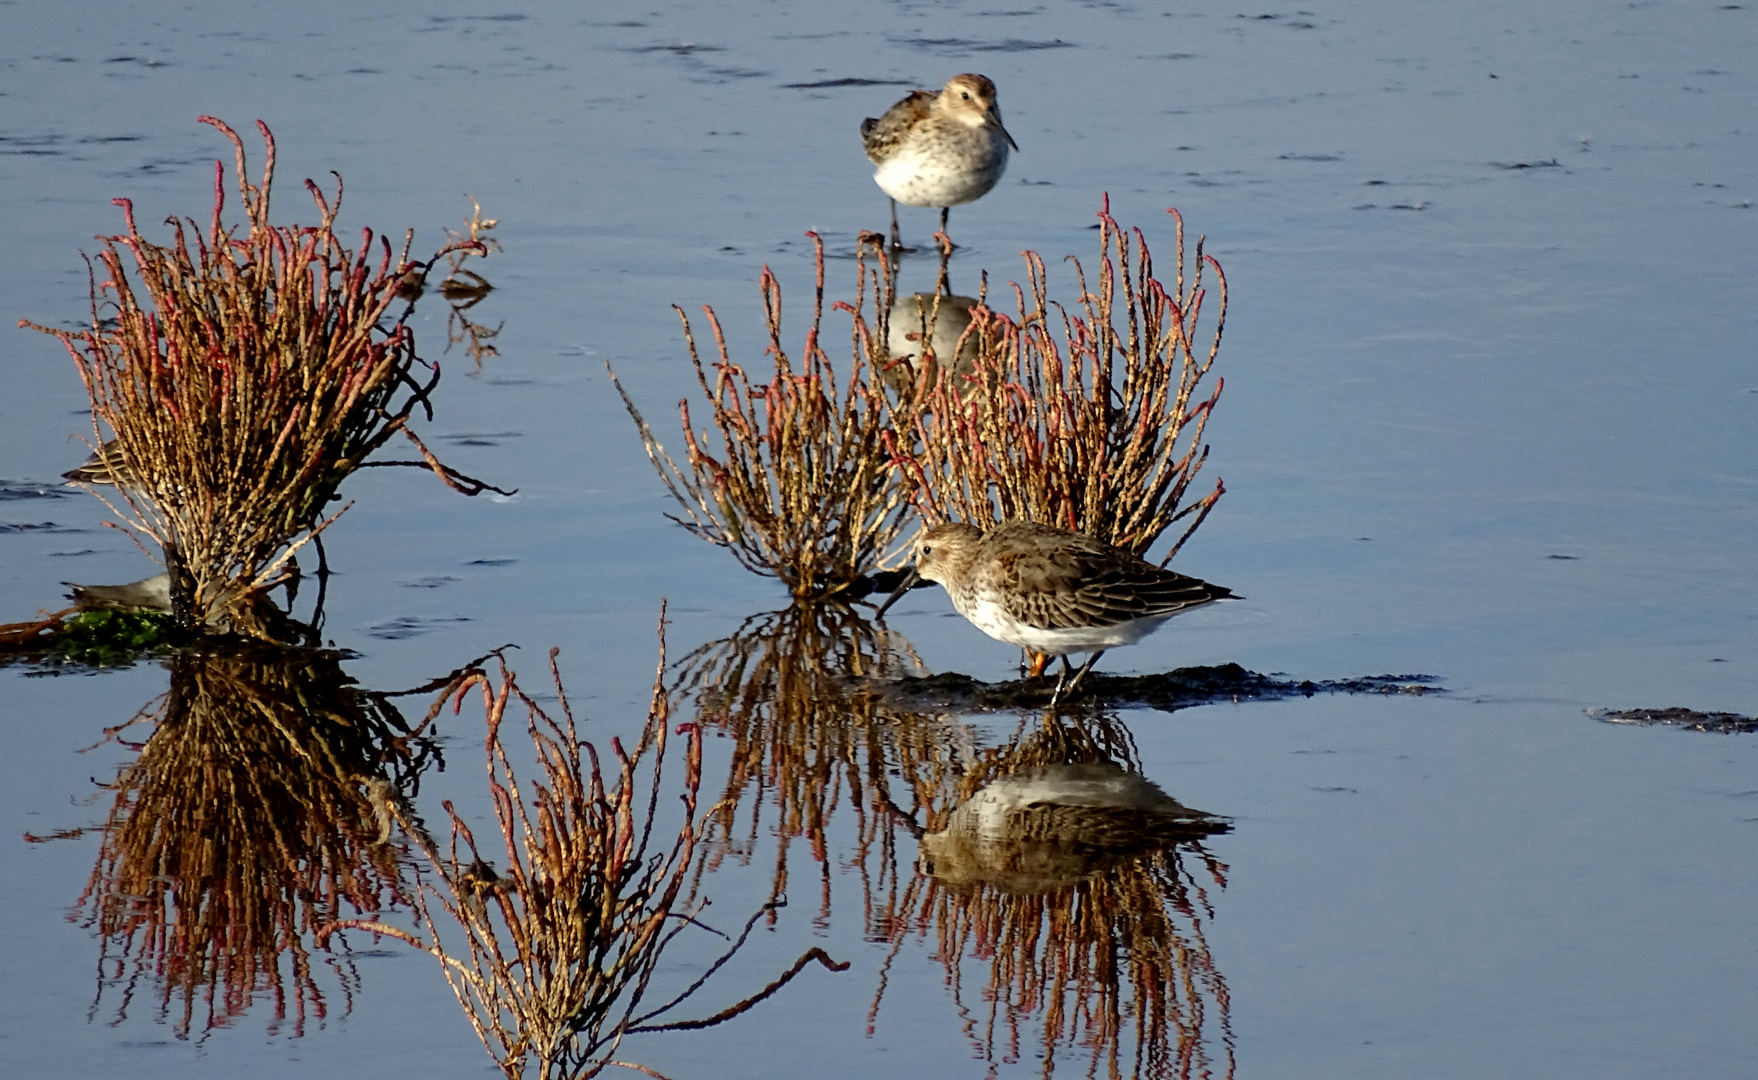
(1090, 419)
(242, 374)
(552, 957)
(792, 474)
(251, 818)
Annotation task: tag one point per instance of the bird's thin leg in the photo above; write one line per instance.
(945, 212)
(1062, 683)
(896, 240)
(1092, 659)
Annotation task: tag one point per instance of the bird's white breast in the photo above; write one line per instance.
(993, 620)
(944, 166)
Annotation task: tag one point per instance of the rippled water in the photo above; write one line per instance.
(1489, 415)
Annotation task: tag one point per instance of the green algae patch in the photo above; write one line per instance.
(97, 639)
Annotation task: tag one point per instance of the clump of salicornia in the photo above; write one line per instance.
(1090, 419)
(237, 375)
(792, 475)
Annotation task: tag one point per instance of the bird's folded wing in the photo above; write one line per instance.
(882, 135)
(1116, 596)
(1078, 589)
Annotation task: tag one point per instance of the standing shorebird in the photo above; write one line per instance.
(1052, 592)
(942, 149)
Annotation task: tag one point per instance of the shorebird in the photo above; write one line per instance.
(1052, 592)
(942, 149)
(103, 466)
(150, 594)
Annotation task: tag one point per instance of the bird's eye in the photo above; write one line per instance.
(925, 551)
(967, 97)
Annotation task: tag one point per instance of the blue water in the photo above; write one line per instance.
(1443, 372)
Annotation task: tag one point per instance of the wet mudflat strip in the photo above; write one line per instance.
(1181, 688)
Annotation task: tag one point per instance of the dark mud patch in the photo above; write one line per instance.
(828, 84)
(682, 48)
(409, 626)
(1718, 723)
(959, 46)
(480, 438)
(1168, 691)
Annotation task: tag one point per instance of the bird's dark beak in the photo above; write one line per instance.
(995, 111)
(908, 583)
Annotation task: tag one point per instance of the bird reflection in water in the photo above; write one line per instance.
(1068, 870)
(931, 334)
(1081, 881)
(254, 814)
(1041, 829)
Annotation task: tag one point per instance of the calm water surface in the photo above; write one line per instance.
(1491, 414)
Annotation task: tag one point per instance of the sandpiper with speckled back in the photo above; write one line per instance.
(942, 149)
(1052, 592)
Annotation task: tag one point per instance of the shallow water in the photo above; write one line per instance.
(1489, 415)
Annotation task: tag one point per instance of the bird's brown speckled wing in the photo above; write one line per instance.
(881, 136)
(1081, 582)
(101, 467)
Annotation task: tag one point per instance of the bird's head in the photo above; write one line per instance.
(971, 99)
(943, 549)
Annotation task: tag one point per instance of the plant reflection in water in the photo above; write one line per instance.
(1050, 856)
(256, 827)
(787, 689)
(558, 948)
(251, 817)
